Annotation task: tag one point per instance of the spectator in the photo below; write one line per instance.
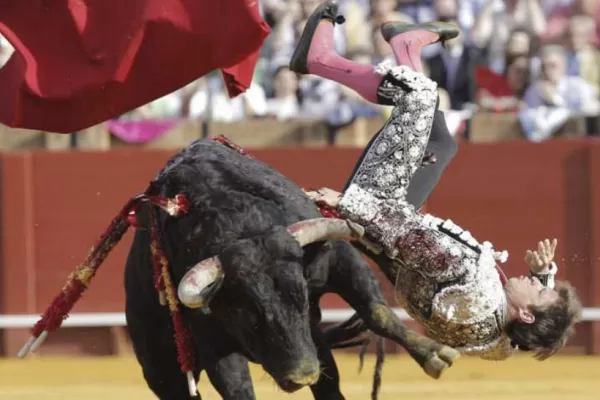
(382, 51)
(555, 87)
(381, 10)
(555, 97)
(359, 26)
(453, 71)
(518, 76)
(558, 21)
(505, 93)
(284, 104)
(276, 10)
(212, 100)
(583, 57)
(497, 19)
(320, 98)
(520, 43)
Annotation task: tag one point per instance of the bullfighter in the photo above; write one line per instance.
(444, 278)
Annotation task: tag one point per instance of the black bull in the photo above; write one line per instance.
(259, 300)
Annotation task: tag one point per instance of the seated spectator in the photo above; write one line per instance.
(504, 93)
(583, 57)
(359, 26)
(274, 11)
(555, 97)
(382, 51)
(453, 71)
(558, 21)
(555, 87)
(321, 99)
(284, 105)
(211, 100)
(497, 19)
(520, 43)
(456, 121)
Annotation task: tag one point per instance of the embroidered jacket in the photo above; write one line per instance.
(446, 280)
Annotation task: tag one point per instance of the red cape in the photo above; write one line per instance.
(81, 62)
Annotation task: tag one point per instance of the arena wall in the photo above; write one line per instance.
(55, 205)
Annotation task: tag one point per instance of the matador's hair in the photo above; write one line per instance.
(554, 324)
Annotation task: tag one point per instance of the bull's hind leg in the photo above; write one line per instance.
(230, 376)
(351, 278)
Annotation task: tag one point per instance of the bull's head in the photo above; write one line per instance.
(266, 306)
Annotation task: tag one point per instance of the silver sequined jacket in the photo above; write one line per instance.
(446, 280)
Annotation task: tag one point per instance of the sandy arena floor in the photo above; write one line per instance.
(561, 378)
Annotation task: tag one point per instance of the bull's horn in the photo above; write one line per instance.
(319, 229)
(201, 283)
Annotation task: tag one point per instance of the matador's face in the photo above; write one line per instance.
(523, 292)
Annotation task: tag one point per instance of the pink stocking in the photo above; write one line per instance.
(323, 61)
(407, 47)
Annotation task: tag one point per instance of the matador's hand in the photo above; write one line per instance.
(540, 261)
(326, 195)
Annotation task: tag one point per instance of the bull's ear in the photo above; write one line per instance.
(199, 285)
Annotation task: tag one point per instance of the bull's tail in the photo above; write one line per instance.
(378, 368)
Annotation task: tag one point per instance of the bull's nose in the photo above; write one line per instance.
(307, 373)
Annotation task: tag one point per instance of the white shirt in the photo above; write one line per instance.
(225, 109)
(572, 92)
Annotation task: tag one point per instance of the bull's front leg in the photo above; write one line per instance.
(152, 337)
(352, 278)
(230, 376)
(328, 385)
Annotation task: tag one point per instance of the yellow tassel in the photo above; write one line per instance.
(162, 298)
(171, 297)
(84, 274)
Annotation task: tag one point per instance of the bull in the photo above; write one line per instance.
(251, 259)
(253, 291)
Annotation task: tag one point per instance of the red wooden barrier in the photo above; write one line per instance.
(55, 205)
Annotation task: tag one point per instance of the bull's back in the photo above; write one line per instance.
(234, 194)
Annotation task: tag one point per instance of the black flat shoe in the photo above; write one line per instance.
(446, 31)
(325, 11)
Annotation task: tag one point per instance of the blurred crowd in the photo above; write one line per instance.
(537, 59)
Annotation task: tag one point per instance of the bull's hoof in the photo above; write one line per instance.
(440, 360)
